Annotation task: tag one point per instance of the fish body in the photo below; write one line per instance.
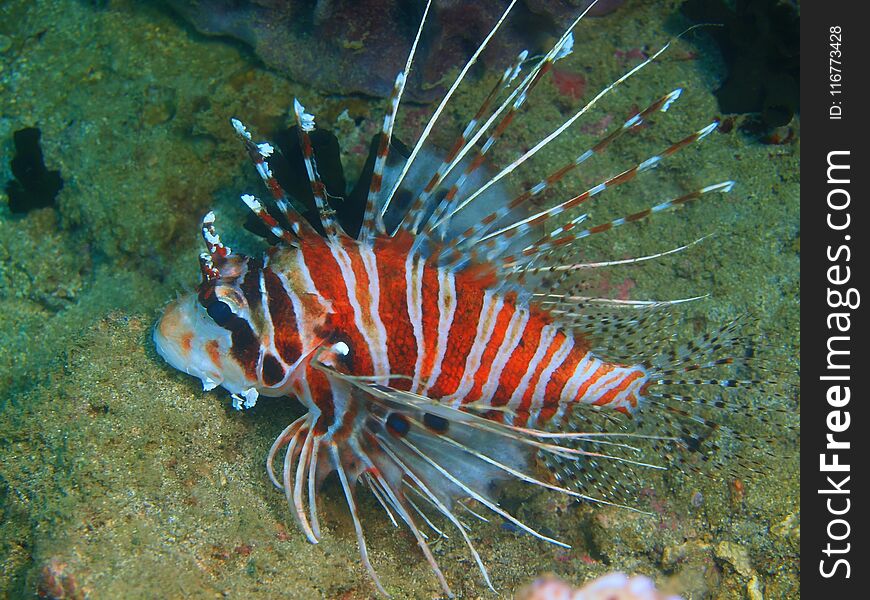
(437, 346)
(452, 336)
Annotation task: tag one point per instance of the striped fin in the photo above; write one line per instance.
(697, 418)
(544, 246)
(268, 220)
(434, 118)
(259, 154)
(372, 221)
(305, 124)
(512, 104)
(422, 199)
(456, 155)
(561, 129)
(492, 244)
(484, 224)
(216, 252)
(554, 239)
(556, 267)
(563, 46)
(405, 443)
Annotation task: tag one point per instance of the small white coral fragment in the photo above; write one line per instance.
(616, 586)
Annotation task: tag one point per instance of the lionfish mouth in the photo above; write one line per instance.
(429, 429)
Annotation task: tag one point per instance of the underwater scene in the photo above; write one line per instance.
(414, 299)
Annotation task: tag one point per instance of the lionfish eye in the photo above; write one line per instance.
(220, 312)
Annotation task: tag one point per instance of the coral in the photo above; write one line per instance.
(616, 586)
(569, 83)
(34, 186)
(57, 583)
(346, 46)
(760, 42)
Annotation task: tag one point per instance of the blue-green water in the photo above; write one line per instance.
(125, 480)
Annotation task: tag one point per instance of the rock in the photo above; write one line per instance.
(788, 527)
(753, 589)
(735, 555)
(349, 46)
(691, 550)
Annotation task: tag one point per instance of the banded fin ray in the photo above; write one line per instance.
(407, 445)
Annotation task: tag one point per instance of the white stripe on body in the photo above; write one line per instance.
(513, 335)
(446, 311)
(612, 380)
(587, 365)
(607, 382)
(302, 277)
(485, 327)
(268, 334)
(604, 384)
(621, 400)
(538, 395)
(379, 332)
(548, 333)
(361, 316)
(414, 297)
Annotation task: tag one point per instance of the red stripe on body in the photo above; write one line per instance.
(321, 393)
(284, 324)
(593, 378)
(608, 396)
(547, 413)
(431, 314)
(362, 292)
(522, 411)
(463, 331)
(401, 344)
(519, 361)
(556, 385)
(501, 323)
(326, 274)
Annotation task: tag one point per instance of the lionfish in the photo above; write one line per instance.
(434, 338)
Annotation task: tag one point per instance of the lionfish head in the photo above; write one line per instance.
(208, 333)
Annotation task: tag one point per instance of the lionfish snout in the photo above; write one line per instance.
(187, 338)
